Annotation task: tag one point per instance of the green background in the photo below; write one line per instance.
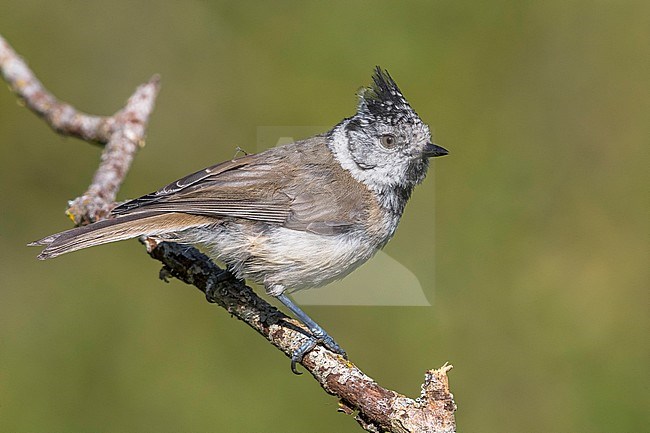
(530, 239)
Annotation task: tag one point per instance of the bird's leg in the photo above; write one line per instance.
(318, 334)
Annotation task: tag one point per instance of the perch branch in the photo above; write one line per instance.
(377, 408)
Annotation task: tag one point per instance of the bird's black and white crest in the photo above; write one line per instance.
(390, 170)
(384, 102)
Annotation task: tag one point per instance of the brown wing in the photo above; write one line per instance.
(167, 191)
(298, 186)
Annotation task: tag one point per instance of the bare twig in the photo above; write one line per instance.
(127, 136)
(123, 133)
(377, 408)
(62, 117)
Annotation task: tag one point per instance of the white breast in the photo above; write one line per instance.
(285, 259)
(314, 260)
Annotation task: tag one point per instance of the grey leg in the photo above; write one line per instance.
(318, 334)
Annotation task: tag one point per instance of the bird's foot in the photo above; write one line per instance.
(318, 334)
(318, 337)
(213, 285)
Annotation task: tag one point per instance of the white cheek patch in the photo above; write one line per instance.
(377, 178)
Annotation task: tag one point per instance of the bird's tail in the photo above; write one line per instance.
(117, 229)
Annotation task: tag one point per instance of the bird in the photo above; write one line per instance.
(292, 217)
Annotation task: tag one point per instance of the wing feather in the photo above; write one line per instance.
(298, 186)
(180, 184)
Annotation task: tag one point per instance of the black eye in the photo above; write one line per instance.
(388, 141)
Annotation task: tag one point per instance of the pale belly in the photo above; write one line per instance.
(284, 259)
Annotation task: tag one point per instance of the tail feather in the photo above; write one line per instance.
(112, 230)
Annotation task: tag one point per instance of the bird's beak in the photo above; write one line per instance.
(432, 150)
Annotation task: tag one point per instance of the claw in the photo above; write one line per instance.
(309, 345)
(300, 353)
(329, 343)
(213, 285)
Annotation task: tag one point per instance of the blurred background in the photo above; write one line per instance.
(530, 240)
